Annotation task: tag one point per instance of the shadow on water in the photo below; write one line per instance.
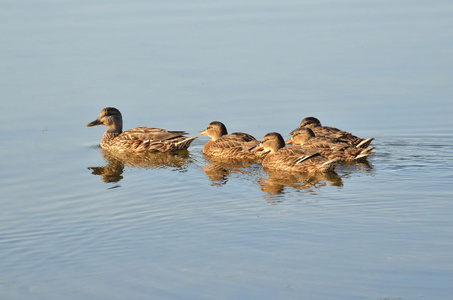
(116, 162)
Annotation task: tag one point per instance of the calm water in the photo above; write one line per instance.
(77, 224)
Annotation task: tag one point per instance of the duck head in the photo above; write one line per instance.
(214, 130)
(110, 117)
(310, 121)
(300, 136)
(272, 141)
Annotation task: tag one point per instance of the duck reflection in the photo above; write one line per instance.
(271, 182)
(116, 162)
(278, 182)
(362, 168)
(219, 170)
(112, 172)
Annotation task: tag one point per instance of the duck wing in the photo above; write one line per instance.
(245, 136)
(314, 162)
(151, 139)
(150, 133)
(297, 150)
(242, 140)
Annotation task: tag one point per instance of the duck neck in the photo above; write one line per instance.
(116, 127)
(111, 133)
(207, 146)
(275, 148)
(217, 135)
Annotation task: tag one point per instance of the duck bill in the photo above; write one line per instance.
(204, 132)
(290, 141)
(94, 123)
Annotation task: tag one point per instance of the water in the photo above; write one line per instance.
(75, 224)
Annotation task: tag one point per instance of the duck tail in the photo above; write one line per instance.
(185, 143)
(365, 143)
(329, 166)
(364, 153)
(368, 150)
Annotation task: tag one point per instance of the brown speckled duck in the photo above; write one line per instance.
(139, 139)
(334, 133)
(293, 158)
(306, 139)
(237, 145)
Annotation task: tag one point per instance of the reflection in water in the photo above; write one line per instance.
(112, 172)
(277, 182)
(220, 169)
(347, 169)
(273, 183)
(116, 161)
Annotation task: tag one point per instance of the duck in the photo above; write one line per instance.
(140, 139)
(295, 159)
(331, 148)
(334, 133)
(237, 145)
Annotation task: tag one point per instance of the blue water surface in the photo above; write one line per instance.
(75, 224)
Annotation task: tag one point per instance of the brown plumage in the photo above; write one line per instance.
(334, 133)
(237, 145)
(331, 148)
(138, 139)
(294, 158)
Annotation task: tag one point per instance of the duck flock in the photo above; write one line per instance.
(312, 148)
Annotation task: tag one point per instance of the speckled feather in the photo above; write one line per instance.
(294, 158)
(334, 133)
(237, 145)
(138, 139)
(286, 161)
(331, 148)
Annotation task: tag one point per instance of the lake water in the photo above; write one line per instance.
(76, 224)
